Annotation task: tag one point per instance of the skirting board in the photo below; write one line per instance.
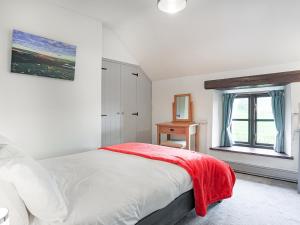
(278, 174)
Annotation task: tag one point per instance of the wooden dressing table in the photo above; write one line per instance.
(186, 129)
(182, 125)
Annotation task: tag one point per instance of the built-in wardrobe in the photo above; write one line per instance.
(126, 104)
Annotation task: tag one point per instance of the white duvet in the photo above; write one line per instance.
(107, 188)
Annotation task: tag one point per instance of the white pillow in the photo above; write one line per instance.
(10, 199)
(34, 185)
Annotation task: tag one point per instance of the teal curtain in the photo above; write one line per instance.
(226, 136)
(278, 107)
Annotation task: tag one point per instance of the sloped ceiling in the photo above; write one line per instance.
(208, 36)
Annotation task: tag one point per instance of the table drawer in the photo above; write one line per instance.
(172, 130)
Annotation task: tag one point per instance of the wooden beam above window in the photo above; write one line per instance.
(272, 79)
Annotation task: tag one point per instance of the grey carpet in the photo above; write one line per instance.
(256, 201)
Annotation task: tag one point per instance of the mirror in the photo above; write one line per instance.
(182, 110)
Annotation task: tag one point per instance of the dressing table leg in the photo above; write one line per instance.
(197, 140)
(188, 138)
(158, 135)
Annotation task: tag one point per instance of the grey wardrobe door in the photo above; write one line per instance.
(129, 76)
(105, 126)
(111, 103)
(144, 102)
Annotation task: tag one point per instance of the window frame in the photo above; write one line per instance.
(252, 121)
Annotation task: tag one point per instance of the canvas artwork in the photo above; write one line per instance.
(35, 55)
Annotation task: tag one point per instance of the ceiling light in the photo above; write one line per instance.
(171, 6)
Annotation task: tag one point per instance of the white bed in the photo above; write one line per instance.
(107, 188)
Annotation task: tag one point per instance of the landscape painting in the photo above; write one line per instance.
(35, 55)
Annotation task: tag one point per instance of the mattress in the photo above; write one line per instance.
(108, 188)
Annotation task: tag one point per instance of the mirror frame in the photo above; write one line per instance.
(190, 119)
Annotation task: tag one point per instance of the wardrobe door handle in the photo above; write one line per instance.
(135, 74)
(135, 114)
(104, 115)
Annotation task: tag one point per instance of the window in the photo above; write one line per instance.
(253, 122)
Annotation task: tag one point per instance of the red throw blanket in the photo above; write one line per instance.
(213, 180)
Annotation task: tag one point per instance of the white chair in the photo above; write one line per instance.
(174, 144)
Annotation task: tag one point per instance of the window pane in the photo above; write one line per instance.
(264, 108)
(240, 131)
(240, 108)
(266, 132)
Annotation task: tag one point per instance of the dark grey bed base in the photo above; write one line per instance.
(173, 212)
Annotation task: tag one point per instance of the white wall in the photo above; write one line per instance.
(50, 117)
(162, 97)
(113, 48)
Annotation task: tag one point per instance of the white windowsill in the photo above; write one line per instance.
(252, 151)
